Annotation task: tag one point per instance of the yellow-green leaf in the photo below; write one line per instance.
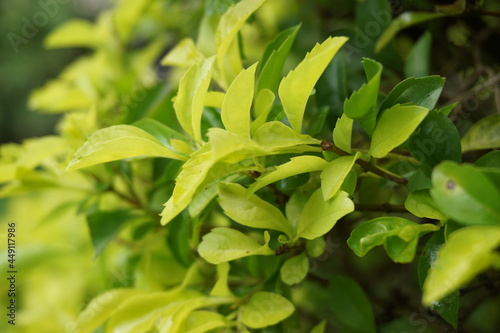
(265, 309)
(184, 55)
(235, 111)
(119, 142)
(342, 133)
(191, 97)
(319, 216)
(466, 253)
(204, 321)
(225, 244)
(275, 136)
(420, 204)
(335, 173)
(73, 33)
(295, 88)
(221, 288)
(295, 269)
(394, 127)
(484, 134)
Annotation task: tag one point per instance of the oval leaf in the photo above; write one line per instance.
(484, 134)
(335, 173)
(265, 309)
(421, 204)
(295, 269)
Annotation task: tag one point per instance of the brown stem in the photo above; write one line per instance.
(368, 167)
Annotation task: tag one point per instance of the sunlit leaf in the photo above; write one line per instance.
(350, 305)
(297, 165)
(395, 127)
(127, 15)
(295, 88)
(342, 133)
(465, 194)
(184, 54)
(484, 134)
(263, 105)
(405, 20)
(235, 111)
(335, 173)
(252, 211)
(295, 269)
(275, 135)
(119, 142)
(466, 253)
(265, 309)
(73, 33)
(225, 244)
(319, 216)
(191, 97)
(421, 204)
(221, 287)
(204, 321)
(398, 235)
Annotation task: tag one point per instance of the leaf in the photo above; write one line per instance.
(466, 253)
(252, 212)
(221, 288)
(297, 165)
(395, 127)
(319, 216)
(403, 21)
(398, 235)
(316, 247)
(350, 305)
(229, 25)
(235, 111)
(127, 15)
(204, 321)
(276, 136)
(265, 309)
(423, 91)
(295, 269)
(160, 131)
(421, 204)
(342, 133)
(263, 105)
(335, 173)
(295, 88)
(105, 225)
(436, 139)
(465, 194)
(448, 306)
(320, 328)
(446, 110)
(484, 134)
(417, 63)
(119, 142)
(189, 102)
(361, 106)
(73, 33)
(102, 307)
(232, 148)
(36, 151)
(184, 55)
(192, 175)
(225, 244)
(273, 60)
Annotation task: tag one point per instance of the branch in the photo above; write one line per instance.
(368, 167)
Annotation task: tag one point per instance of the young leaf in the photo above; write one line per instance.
(274, 58)
(423, 91)
(335, 173)
(436, 139)
(466, 253)
(276, 136)
(421, 204)
(295, 269)
(221, 288)
(297, 165)
(350, 305)
(403, 21)
(342, 133)
(265, 309)
(73, 33)
(319, 216)
(295, 88)
(119, 142)
(447, 307)
(235, 111)
(184, 55)
(465, 194)
(229, 25)
(162, 132)
(417, 63)
(204, 321)
(395, 127)
(398, 235)
(225, 244)
(191, 97)
(320, 328)
(362, 104)
(252, 212)
(484, 134)
(263, 105)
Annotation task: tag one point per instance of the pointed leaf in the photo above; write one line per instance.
(119, 142)
(204, 321)
(265, 309)
(421, 204)
(395, 127)
(319, 216)
(252, 212)
(320, 328)
(466, 253)
(275, 135)
(342, 133)
(73, 33)
(335, 173)
(484, 134)
(225, 244)
(417, 62)
(184, 54)
(295, 88)
(235, 111)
